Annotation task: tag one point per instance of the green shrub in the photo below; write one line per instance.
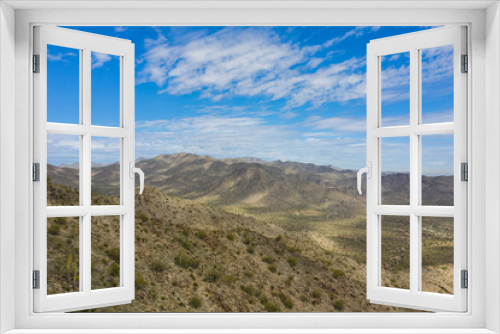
(157, 266)
(287, 301)
(337, 273)
(114, 269)
(271, 307)
(289, 280)
(268, 259)
(195, 302)
(142, 216)
(185, 261)
(316, 293)
(230, 236)
(248, 289)
(212, 276)
(229, 279)
(114, 254)
(272, 268)
(202, 235)
(292, 261)
(250, 249)
(338, 305)
(140, 282)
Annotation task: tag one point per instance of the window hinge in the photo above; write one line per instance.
(36, 172)
(465, 64)
(36, 279)
(36, 63)
(464, 171)
(465, 279)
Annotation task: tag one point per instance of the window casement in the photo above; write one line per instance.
(417, 129)
(84, 210)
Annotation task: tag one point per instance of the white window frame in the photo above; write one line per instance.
(85, 43)
(484, 308)
(413, 43)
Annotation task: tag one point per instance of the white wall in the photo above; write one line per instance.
(7, 162)
(492, 166)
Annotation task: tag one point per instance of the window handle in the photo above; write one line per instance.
(134, 170)
(368, 171)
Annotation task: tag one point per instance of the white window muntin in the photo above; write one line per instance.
(86, 43)
(414, 43)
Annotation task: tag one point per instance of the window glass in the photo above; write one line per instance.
(395, 89)
(396, 251)
(105, 89)
(106, 252)
(395, 167)
(437, 254)
(437, 84)
(63, 85)
(63, 255)
(106, 171)
(63, 170)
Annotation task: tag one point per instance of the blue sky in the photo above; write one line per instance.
(287, 93)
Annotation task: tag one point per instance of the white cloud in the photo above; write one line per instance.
(221, 136)
(121, 29)
(99, 59)
(339, 124)
(251, 62)
(60, 56)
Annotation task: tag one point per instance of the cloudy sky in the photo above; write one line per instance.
(287, 93)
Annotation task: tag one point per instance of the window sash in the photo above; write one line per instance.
(86, 297)
(413, 43)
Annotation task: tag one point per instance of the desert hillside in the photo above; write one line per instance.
(240, 235)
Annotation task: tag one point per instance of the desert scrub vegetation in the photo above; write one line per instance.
(339, 305)
(338, 273)
(185, 261)
(195, 302)
(292, 261)
(268, 259)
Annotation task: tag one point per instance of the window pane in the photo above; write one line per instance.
(63, 85)
(63, 255)
(105, 252)
(396, 251)
(395, 169)
(395, 85)
(437, 84)
(106, 171)
(437, 254)
(63, 170)
(105, 89)
(437, 170)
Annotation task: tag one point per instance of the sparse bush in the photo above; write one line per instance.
(287, 301)
(272, 268)
(140, 282)
(184, 243)
(337, 273)
(142, 216)
(338, 305)
(251, 250)
(250, 290)
(114, 254)
(195, 302)
(114, 269)
(248, 273)
(212, 276)
(271, 307)
(289, 280)
(316, 293)
(202, 234)
(185, 261)
(157, 266)
(268, 259)
(292, 261)
(229, 279)
(247, 240)
(230, 236)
